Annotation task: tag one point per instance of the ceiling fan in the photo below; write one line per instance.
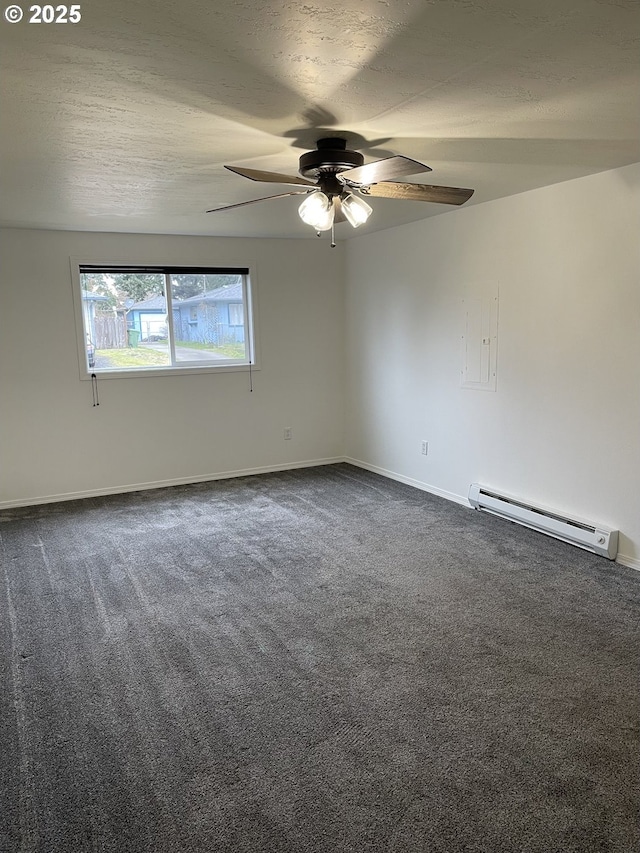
(335, 180)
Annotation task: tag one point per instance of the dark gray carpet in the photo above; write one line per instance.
(308, 662)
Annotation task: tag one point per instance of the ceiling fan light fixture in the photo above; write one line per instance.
(356, 210)
(334, 179)
(317, 210)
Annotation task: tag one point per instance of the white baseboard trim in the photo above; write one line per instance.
(629, 562)
(622, 559)
(409, 481)
(162, 484)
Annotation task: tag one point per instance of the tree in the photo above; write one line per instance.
(102, 285)
(185, 285)
(119, 288)
(140, 286)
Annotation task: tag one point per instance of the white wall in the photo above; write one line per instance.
(563, 427)
(53, 442)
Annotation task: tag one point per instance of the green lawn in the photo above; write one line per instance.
(231, 350)
(141, 356)
(130, 357)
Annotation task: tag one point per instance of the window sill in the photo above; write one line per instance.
(136, 373)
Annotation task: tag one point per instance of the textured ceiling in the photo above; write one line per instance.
(123, 121)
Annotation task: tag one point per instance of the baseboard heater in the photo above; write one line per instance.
(592, 537)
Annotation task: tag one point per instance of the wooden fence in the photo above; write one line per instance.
(111, 332)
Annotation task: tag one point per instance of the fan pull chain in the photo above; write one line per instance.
(94, 390)
(333, 235)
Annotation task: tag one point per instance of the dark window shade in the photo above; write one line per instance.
(115, 269)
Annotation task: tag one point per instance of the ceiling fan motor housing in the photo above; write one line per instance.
(330, 157)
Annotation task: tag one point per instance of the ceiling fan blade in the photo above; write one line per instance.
(338, 215)
(254, 200)
(270, 177)
(383, 170)
(419, 192)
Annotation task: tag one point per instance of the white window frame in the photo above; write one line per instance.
(249, 301)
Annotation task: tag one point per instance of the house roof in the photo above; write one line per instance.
(88, 296)
(228, 293)
(153, 303)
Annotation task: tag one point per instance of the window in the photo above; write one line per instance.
(159, 319)
(235, 314)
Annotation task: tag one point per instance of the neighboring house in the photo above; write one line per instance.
(215, 316)
(149, 317)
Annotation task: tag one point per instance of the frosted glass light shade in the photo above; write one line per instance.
(317, 210)
(356, 210)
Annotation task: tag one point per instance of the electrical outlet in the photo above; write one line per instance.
(288, 433)
(424, 448)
